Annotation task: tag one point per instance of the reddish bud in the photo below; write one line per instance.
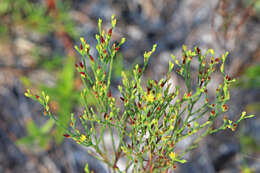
(122, 99)
(148, 89)
(66, 135)
(198, 50)
(148, 114)
(95, 93)
(81, 64)
(189, 94)
(234, 127)
(179, 122)
(105, 52)
(109, 92)
(228, 78)
(87, 50)
(117, 48)
(140, 70)
(213, 105)
(213, 112)
(76, 65)
(37, 97)
(102, 39)
(162, 84)
(115, 167)
(131, 121)
(201, 82)
(139, 105)
(217, 60)
(91, 58)
(105, 116)
(81, 47)
(225, 107)
(184, 59)
(110, 32)
(83, 73)
(159, 108)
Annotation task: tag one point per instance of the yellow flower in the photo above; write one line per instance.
(172, 155)
(159, 96)
(150, 97)
(82, 138)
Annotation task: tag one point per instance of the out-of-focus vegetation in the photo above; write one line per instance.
(49, 17)
(251, 77)
(251, 80)
(41, 16)
(65, 88)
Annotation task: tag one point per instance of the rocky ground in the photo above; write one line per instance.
(170, 24)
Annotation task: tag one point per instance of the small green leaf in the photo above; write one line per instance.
(32, 128)
(249, 116)
(181, 160)
(86, 169)
(99, 26)
(47, 126)
(26, 141)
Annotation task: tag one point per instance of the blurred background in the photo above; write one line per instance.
(37, 39)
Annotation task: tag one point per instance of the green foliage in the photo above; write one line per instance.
(37, 136)
(250, 78)
(248, 146)
(36, 16)
(62, 92)
(153, 116)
